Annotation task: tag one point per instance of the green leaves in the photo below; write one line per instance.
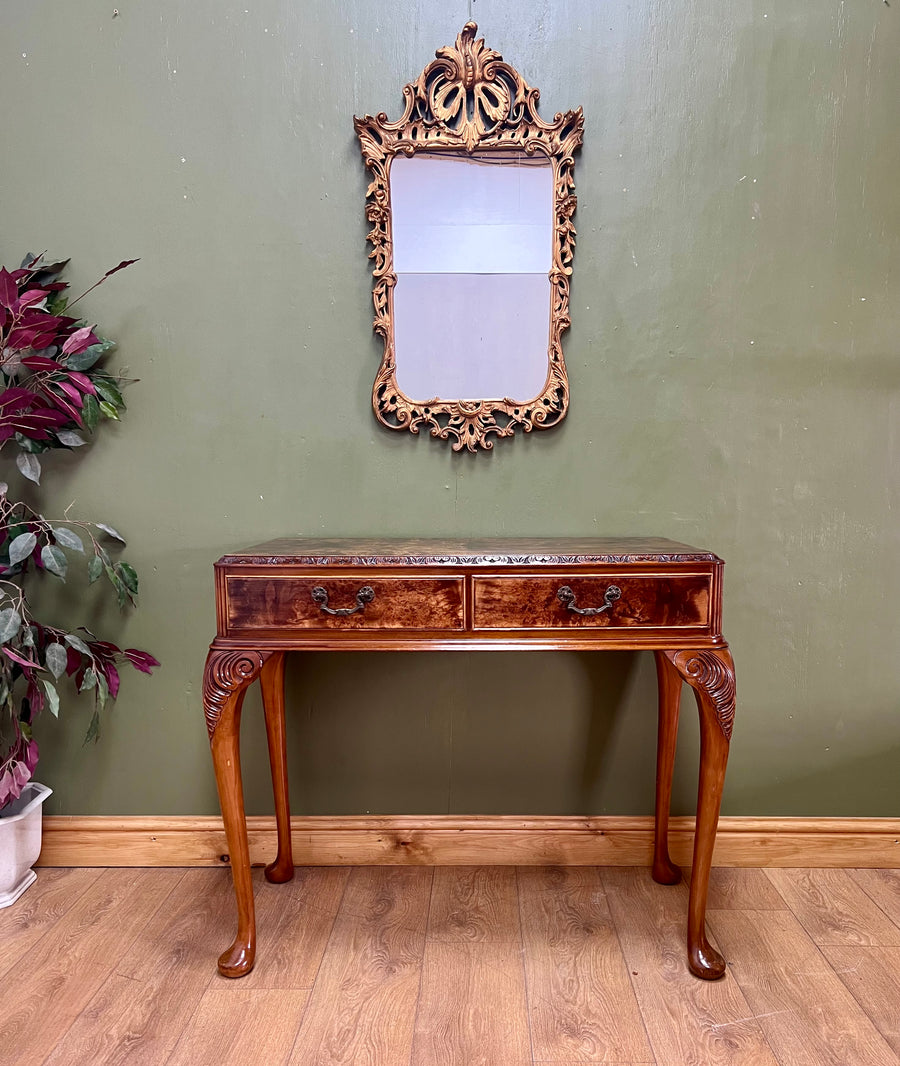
(109, 391)
(95, 568)
(10, 624)
(70, 438)
(86, 359)
(54, 560)
(77, 643)
(68, 539)
(30, 466)
(21, 547)
(35, 447)
(52, 697)
(123, 578)
(110, 531)
(93, 732)
(118, 585)
(90, 412)
(56, 659)
(128, 576)
(57, 303)
(109, 400)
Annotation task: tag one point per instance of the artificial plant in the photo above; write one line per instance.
(55, 391)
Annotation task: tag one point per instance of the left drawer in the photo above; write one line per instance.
(358, 602)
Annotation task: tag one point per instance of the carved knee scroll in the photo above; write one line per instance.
(710, 672)
(227, 671)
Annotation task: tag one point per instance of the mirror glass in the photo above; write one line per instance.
(473, 249)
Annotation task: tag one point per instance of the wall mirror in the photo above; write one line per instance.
(471, 203)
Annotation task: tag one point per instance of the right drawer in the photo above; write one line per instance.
(579, 601)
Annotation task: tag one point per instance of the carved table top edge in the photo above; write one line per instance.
(376, 552)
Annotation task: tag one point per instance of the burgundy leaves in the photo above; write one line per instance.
(140, 660)
(17, 767)
(20, 414)
(9, 290)
(79, 340)
(55, 389)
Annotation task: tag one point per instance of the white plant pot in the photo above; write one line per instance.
(20, 841)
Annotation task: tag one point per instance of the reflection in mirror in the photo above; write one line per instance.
(472, 255)
(470, 206)
(489, 213)
(471, 336)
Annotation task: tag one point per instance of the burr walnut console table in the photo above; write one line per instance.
(340, 595)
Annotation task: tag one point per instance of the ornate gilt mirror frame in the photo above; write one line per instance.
(468, 100)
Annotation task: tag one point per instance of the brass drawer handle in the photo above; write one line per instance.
(365, 595)
(566, 596)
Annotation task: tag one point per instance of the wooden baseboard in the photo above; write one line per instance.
(451, 840)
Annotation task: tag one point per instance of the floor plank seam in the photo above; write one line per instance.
(524, 966)
(630, 972)
(126, 946)
(415, 1019)
(53, 924)
(188, 1021)
(836, 943)
(305, 1011)
(869, 895)
(865, 1010)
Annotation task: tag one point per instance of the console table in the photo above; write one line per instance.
(422, 595)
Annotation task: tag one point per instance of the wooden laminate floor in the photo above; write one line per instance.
(420, 966)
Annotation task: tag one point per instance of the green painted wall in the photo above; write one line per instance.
(733, 362)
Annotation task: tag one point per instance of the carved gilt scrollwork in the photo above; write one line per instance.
(469, 99)
(227, 671)
(712, 672)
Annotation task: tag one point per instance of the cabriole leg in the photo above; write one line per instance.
(225, 680)
(669, 682)
(710, 673)
(271, 680)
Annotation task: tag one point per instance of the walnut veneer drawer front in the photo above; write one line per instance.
(592, 601)
(343, 603)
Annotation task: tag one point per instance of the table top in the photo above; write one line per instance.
(498, 551)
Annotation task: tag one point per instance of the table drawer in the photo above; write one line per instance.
(592, 601)
(359, 602)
